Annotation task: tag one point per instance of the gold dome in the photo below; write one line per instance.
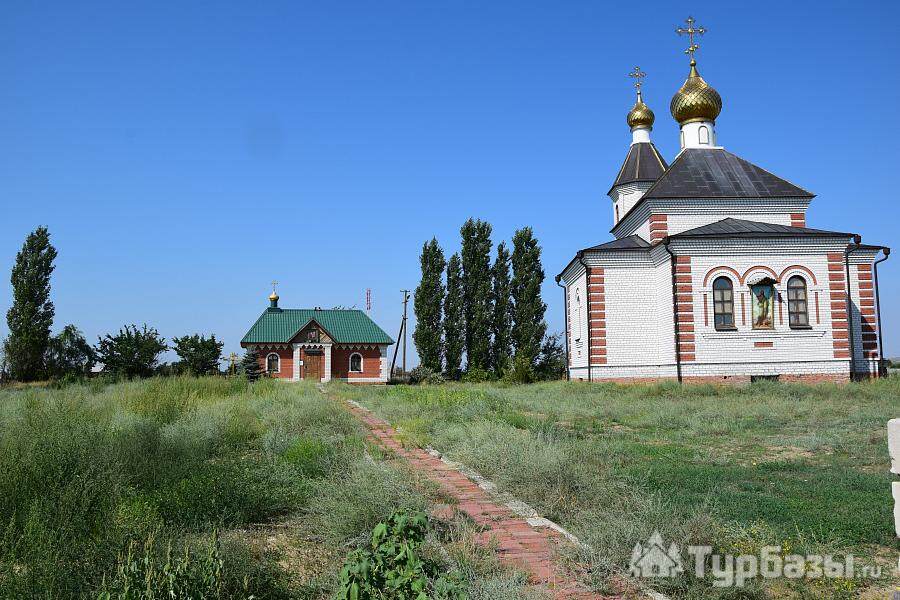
(273, 296)
(640, 115)
(696, 100)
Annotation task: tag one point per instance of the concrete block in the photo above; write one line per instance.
(894, 445)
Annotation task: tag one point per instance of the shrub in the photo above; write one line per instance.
(310, 457)
(394, 566)
(521, 371)
(476, 375)
(423, 374)
(132, 352)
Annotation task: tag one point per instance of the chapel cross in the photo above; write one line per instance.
(638, 75)
(690, 31)
(274, 284)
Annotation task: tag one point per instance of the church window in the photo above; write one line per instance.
(704, 134)
(273, 363)
(798, 310)
(723, 303)
(617, 213)
(762, 299)
(312, 335)
(682, 138)
(356, 363)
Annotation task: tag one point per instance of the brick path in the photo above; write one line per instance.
(519, 544)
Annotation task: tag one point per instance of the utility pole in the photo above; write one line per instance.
(401, 335)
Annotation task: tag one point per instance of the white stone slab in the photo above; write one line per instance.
(894, 445)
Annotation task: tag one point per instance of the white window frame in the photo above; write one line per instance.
(350, 363)
(278, 358)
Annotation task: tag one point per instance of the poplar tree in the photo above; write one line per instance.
(31, 315)
(454, 320)
(528, 308)
(501, 325)
(427, 304)
(476, 268)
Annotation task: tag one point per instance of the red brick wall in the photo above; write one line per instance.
(684, 303)
(659, 227)
(287, 361)
(868, 318)
(340, 363)
(838, 294)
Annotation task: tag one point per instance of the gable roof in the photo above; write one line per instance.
(642, 163)
(716, 173)
(344, 326)
(741, 228)
(632, 242)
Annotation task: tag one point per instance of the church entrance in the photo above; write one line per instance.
(312, 364)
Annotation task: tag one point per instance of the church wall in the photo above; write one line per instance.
(576, 290)
(819, 349)
(340, 363)
(864, 316)
(687, 213)
(286, 356)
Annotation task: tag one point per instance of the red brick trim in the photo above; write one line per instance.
(837, 285)
(659, 227)
(760, 268)
(799, 268)
(596, 316)
(715, 270)
(763, 344)
(684, 305)
(798, 219)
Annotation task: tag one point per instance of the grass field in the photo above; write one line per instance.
(801, 467)
(199, 488)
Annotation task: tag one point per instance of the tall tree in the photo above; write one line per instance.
(427, 304)
(31, 314)
(476, 268)
(250, 364)
(528, 308)
(132, 352)
(199, 354)
(454, 319)
(69, 354)
(501, 325)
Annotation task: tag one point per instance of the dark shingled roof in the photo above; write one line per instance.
(715, 173)
(742, 228)
(632, 242)
(643, 163)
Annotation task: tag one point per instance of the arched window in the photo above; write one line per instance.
(617, 213)
(723, 303)
(704, 134)
(798, 307)
(682, 138)
(356, 365)
(273, 363)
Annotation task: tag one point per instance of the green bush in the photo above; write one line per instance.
(423, 374)
(310, 457)
(477, 375)
(521, 371)
(393, 566)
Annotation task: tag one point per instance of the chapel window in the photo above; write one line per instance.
(273, 363)
(356, 363)
(798, 307)
(762, 301)
(723, 303)
(704, 134)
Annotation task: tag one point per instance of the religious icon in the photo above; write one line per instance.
(763, 304)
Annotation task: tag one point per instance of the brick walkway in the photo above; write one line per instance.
(519, 544)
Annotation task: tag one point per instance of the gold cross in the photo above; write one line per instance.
(638, 75)
(690, 31)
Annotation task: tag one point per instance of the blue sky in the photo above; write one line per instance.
(183, 154)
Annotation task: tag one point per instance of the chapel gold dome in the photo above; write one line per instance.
(273, 296)
(696, 100)
(640, 115)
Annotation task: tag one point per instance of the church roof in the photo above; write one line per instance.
(632, 242)
(642, 163)
(278, 325)
(741, 228)
(716, 173)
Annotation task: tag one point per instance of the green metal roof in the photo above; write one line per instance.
(280, 325)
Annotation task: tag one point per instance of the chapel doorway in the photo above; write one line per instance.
(312, 364)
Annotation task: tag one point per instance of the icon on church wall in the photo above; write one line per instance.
(763, 305)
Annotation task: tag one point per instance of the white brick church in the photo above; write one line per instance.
(713, 274)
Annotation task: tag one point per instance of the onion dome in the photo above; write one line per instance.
(273, 296)
(640, 114)
(696, 100)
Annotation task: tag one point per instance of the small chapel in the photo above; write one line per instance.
(317, 344)
(713, 274)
